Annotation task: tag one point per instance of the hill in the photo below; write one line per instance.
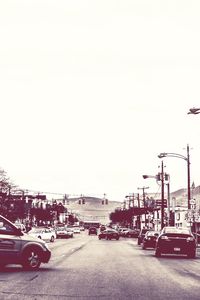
(93, 209)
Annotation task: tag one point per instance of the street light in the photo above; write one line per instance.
(187, 159)
(194, 111)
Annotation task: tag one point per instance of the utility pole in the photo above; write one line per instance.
(188, 175)
(168, 202)
(143, 193)
(139, 219)
(162, 195)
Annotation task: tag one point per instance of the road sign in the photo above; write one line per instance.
(159, 202)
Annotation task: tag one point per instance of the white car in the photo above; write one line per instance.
(76, 230)
(46, 234)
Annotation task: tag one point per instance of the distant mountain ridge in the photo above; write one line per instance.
(93, 209)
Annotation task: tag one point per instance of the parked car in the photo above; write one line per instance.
(173, 240)
(109, 234)
(92, 230)
(46, 234)
(62, 232)
(123, 231)
(70, 232)
(142, 234)
(149, 240)
(17, 247)
(128, 232)
(76, 229)
(133, 233)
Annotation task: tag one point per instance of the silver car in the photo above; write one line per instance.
(17, 247)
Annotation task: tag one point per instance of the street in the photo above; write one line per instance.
(87, 268)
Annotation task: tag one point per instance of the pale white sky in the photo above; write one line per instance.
(92, 91)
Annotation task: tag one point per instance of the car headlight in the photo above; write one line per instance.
(190, 239)
(164, 237)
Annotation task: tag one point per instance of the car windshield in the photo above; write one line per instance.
(60, 228)
(145, 230)
(152, 233)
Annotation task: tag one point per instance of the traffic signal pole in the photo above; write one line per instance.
(144, 202)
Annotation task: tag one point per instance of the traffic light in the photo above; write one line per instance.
(166, 177)
(158, 177)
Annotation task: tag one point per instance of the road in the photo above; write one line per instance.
(87, 268)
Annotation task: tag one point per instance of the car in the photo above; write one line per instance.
(149, 240)
(92, 230)
(128, 232)
(76, 229)
(176, 240)
(17, 247)
(133, 233)
(46, 234)
(109, 234)
(123, 232)
(63, 232)
(142, 234)
(70, 232)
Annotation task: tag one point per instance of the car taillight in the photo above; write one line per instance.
(164, 237)
(190, 239)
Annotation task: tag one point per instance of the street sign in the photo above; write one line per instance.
(159, 202)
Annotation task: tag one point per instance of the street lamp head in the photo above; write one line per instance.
(145, 176)
(161, 155)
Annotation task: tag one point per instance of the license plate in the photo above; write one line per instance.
(177, 249)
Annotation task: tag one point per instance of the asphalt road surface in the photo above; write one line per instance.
(87, 268)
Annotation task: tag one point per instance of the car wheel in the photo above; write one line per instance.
(143, 246)
(117, 238)
(52, 239)
(31, 259)
(158, 253)
(99, 238)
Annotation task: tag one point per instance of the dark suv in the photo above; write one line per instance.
(20, 248)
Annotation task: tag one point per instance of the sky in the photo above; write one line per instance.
(92, 91)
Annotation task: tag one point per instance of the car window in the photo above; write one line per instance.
(5, 228)
(177, 230)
